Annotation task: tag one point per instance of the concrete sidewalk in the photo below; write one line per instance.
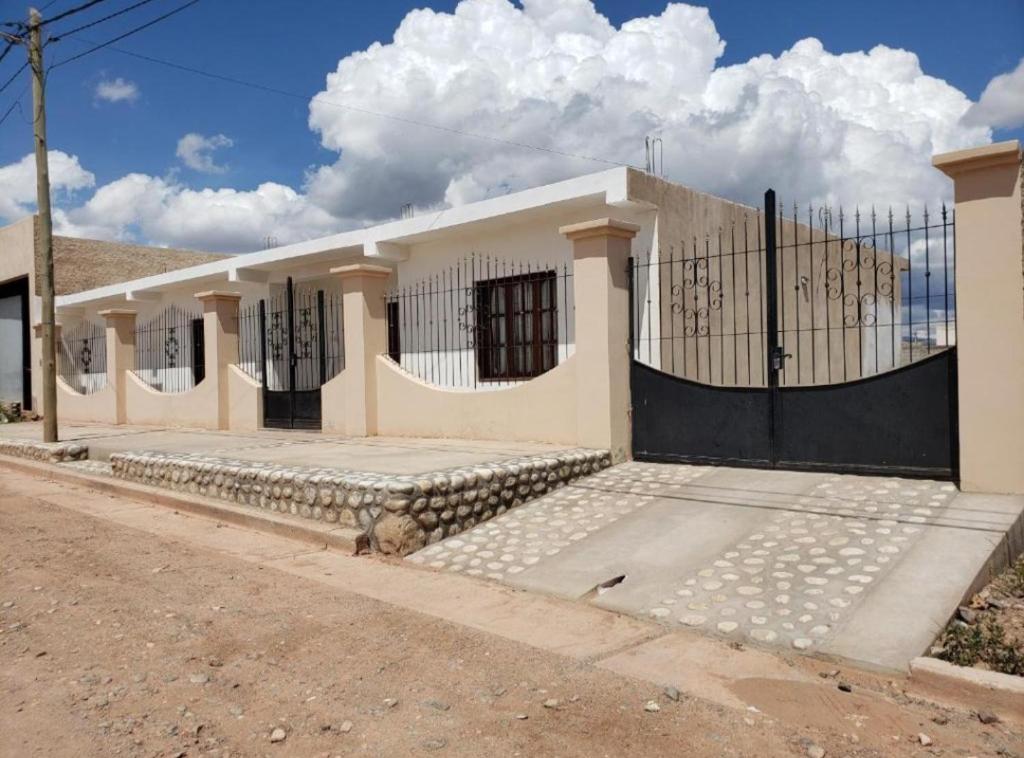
(382, 455)
(864, 568)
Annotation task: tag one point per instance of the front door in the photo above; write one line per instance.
(295, 360)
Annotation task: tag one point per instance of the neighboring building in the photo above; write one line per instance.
(79, 264)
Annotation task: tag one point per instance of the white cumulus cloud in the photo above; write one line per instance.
(196, 152)
(1001, 105)
(162, 212)
(555, 73)
(18, 182)
(117, 90)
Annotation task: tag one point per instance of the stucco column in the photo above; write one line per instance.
(220, 344)
(601, 250)
(989, 314)
(120, 355)
(365, 326)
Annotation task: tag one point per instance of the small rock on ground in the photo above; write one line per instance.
(672, 694)
(815, 751)
(278, 735)
(651, 706)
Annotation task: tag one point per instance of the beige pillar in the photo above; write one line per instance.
(989, 314)
(601, 250)
(363, 310)
(220, 344)
(120, 355)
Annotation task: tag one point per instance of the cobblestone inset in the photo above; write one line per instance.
(93, 468)
(794, 580)
(399, 514)
(526, 536)
(51, 452)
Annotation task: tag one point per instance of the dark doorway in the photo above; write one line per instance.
(16, 347)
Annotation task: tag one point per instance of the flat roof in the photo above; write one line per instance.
(384, 242)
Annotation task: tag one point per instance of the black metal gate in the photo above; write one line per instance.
(810, 347)
(299, 340)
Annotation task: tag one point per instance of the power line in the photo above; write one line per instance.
(120, 37)
(7, 84)
(71, 11)
(115, 14)
(358, 109)
(15, 104)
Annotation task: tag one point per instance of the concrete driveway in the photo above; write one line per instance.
(864, 568)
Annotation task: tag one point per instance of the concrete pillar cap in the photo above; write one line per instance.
(116, 312)
(987, 156)
(362, 269)
(600, 227)
(218, 295)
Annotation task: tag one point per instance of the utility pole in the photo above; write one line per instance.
(45, 238)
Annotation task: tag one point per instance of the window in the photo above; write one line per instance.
(517, 326)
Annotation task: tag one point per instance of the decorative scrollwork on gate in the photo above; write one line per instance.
(860, 266)
(306, 337)
(85, 356)
(172, 346)
(276, 336)
(696, 297)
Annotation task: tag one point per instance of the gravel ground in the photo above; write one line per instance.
(116, 642)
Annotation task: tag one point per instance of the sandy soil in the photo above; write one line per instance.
(116, 642)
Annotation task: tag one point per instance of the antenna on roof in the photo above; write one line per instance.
(407, 211)
(269, 241)
(654, 150)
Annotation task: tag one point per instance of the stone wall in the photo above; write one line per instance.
(398, 514)
(51, 452)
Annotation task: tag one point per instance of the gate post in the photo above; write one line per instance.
(989, 314)
(365, 333)
(601, 250)
(220, 345)
(120, 355)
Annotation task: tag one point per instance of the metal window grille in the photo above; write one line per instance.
(169, 350)
(82, 358)
(483, 322)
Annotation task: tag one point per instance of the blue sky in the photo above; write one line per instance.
(278, 45)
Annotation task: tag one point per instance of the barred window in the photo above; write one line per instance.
(517, 323)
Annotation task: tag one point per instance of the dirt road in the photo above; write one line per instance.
(118, 642)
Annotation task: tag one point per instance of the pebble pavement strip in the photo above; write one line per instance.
(526, 536)
(791, 582)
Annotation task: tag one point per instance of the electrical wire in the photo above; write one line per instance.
(15, 104)
(115, 14)
(7, 84)
(120, 37)
(71, 12)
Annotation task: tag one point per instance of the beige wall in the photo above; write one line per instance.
(197, 408)
(245, 401)
(723, 243)
(100, 407)
(990, 315)
(541, 410)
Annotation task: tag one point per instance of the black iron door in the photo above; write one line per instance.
(295, 365)
(800, 353)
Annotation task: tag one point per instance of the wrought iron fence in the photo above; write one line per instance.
(858, 294)
(483, 322)
(308, 337)
(82, 358)
(169, 351)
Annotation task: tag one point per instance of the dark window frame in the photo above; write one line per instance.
(499, 356)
